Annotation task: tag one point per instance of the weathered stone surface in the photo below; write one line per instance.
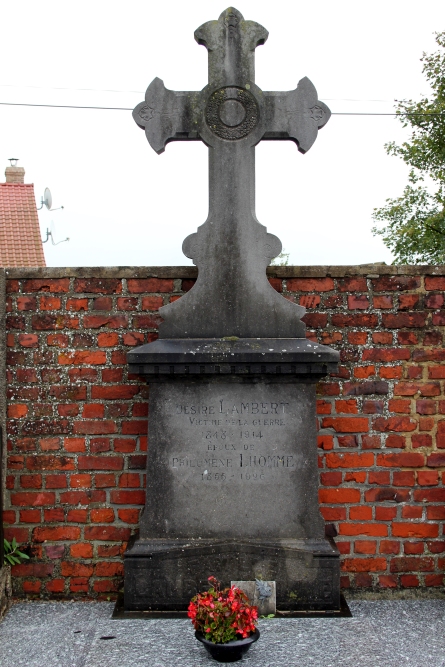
(231, 115)
(164, 575)
(231, 492)
(232, 480)
(243, 356)
(191, 272)
(219, 450)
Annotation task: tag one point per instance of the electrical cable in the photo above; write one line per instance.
(95, 90)
(142, 92)
(400, 113)
(64, 106)
(334, 113)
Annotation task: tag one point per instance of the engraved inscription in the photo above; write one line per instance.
(231, 113)
(223, 407)
(219, 448)
(185, 461)
(237, 440)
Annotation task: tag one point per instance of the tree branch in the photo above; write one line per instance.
(434, 229)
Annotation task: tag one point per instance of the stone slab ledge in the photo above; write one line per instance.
(191, 272)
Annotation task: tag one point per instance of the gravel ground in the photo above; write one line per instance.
(82, 634)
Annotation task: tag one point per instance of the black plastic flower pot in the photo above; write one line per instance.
(230, 651)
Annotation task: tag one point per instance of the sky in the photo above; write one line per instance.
(124, 205)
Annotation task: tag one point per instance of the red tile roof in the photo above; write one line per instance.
(20, 240)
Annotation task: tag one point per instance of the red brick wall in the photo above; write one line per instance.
(77, 420)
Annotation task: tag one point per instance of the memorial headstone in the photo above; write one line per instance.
(232, 479)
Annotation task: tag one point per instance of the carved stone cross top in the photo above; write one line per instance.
(232, 296)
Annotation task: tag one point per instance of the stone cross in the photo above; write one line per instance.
(232, 296)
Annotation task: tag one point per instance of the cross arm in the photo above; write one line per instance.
(167, 115)
(296, 115)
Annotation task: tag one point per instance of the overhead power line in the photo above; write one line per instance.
(64, 106)
(142, 92)
(334, 113)
(92, 90)
(400, 113)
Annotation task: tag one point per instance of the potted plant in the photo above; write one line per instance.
(224, 621)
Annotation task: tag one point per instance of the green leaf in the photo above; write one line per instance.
(12, 555)
(414, 224)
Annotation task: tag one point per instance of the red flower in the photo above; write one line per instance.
(223, 615)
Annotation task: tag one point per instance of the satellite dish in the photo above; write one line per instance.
(51, 233)
(47, 198)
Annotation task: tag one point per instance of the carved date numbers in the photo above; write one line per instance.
(223, 477)
(218, 435)
(213, 476)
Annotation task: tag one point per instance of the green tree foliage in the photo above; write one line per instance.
(281, 260)
(414, 228)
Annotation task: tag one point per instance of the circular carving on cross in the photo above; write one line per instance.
(232, 112)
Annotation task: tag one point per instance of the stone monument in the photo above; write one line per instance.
(232, 475)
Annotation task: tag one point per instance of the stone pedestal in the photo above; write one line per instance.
(163, 575)
(232, 478)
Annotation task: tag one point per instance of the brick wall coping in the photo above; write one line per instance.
(368, 270)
